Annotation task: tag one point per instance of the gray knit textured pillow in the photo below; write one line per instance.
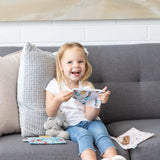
(36, 69)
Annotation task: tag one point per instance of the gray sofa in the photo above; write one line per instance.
(132, 73)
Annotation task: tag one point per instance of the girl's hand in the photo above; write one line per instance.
(104, 96)
(64, 96)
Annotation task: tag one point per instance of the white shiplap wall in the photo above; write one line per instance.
(46, 33)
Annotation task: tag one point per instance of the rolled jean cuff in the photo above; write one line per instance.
(86, 149)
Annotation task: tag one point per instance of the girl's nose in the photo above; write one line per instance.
(75, 64)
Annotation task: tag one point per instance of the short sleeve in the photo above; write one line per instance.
(53, 87)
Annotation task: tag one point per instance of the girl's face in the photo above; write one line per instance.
(73, 64)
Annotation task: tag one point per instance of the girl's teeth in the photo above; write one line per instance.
(75, 72)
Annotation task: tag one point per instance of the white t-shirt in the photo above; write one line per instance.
(73, 110)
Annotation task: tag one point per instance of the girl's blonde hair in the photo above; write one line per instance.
(59, 74)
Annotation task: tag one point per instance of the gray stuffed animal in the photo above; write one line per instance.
(55, 126)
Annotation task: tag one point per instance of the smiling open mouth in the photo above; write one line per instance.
(75, 72)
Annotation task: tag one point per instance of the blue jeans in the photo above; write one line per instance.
(88, 133)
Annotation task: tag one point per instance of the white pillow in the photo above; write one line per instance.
(37, 68)
(9, 66)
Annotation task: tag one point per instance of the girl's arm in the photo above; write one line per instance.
(91, 112)
(53, 102)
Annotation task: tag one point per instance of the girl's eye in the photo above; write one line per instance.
(69, 62)
(80, 61)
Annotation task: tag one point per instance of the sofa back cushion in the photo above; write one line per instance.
(132, 73)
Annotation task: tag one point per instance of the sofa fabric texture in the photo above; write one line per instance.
(132, 73)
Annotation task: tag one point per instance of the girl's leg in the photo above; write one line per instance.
(109, 153)
(85, 142)
(88, 155)
(102, 139)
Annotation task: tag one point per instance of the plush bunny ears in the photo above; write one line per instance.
(85, 50)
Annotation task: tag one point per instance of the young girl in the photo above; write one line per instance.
(85, 128)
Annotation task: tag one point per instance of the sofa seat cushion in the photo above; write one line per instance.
(19, 150)
(146, 125)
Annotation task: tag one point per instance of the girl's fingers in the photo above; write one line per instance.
(108, 92)
(65, 95)
(69, 95)
(105, 88)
